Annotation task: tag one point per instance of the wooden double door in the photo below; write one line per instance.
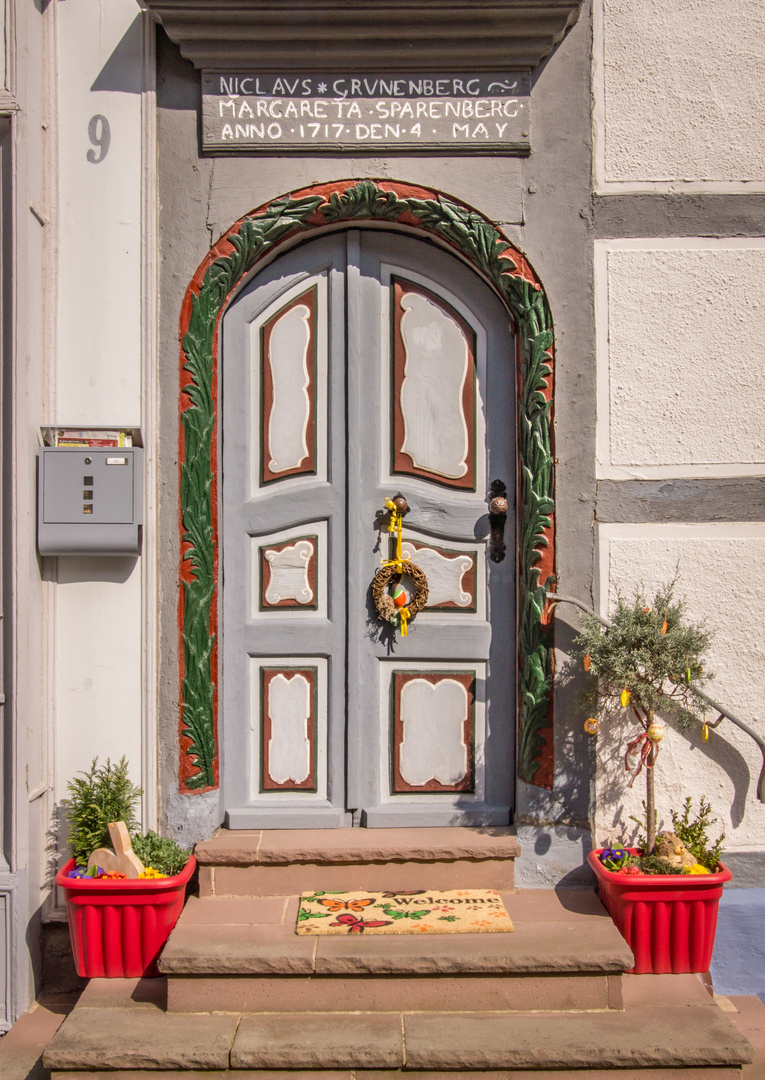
(355, 367)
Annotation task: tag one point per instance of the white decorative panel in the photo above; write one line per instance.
(435, 369)
(679, 94)
(288, 388)
(289, 573)
(288, 707)
(721, 577)
(291, 405)
(433, 720)
(681, 329)
(446, 575)
(287, 729)
(433, 743)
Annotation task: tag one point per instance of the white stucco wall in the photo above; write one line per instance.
(97, 641)
(679, 94)
(681, 329)
(721, 576)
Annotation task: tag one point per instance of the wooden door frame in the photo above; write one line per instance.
(229, 265)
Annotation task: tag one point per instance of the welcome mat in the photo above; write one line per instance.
(418, 911)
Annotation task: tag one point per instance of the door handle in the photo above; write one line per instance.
(498, 507)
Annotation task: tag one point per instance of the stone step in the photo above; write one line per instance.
(279, 862)
(130, 1036)
(564, 953)
(732, 1073)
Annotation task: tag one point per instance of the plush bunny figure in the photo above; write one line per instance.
(671, 849)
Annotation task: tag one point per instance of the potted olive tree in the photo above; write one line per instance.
(649, 660)
(123, 903)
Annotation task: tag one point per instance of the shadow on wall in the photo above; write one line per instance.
(738, 962)
(123, 71)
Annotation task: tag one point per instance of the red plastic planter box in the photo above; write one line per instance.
(668, 922)
(118, 927)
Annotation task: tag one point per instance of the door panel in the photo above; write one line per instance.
(283, 544)
(356, 366)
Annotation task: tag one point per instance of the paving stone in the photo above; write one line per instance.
(664, 990)
(217, 1074)
(532, 947)
(149, 1074)
(331, 1041)
(238, 845)
(396, 1074)
(546, 1074)
(289, 846)
(390, 993)
(22, 1047)
(554, 905)
(657, 1037)
(749, 1019)
(237, 948)
(276, 880)
(239, 909)
(124, 993)
(140, 1039)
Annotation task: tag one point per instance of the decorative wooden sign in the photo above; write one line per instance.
(467, 113)
(123, 859)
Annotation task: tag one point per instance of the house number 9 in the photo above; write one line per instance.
(100, 135)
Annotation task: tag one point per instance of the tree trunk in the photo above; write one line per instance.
(650, 799)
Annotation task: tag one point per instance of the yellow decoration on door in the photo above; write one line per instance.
(391, 607)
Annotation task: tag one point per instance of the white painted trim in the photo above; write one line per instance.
(150, 433)
(605, 533)
(604, 470)
(601, 185)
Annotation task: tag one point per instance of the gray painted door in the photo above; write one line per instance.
(356, 367)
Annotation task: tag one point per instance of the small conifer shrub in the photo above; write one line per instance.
(97, 797)
(105, 794)
(649, 660)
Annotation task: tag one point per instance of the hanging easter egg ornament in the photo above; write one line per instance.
(591, 726)
(587, 662)
(655, 731)
(625, 698)
(705, 732)
(392, 600)
(398, 592)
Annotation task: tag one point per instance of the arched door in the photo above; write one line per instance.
(355, 367)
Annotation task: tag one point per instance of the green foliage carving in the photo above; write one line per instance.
(478, 241)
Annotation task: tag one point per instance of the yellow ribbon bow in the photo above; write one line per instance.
(400, 563)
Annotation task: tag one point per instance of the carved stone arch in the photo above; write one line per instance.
(252, 240)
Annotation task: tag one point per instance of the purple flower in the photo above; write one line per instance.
(609, 854)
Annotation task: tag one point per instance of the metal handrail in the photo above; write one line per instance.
(559, 598)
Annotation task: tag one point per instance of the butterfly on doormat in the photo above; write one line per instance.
(346, 905)
(394, 914)
(358, 926)
(304, 914)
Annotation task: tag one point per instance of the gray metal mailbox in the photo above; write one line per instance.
(90, 500)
